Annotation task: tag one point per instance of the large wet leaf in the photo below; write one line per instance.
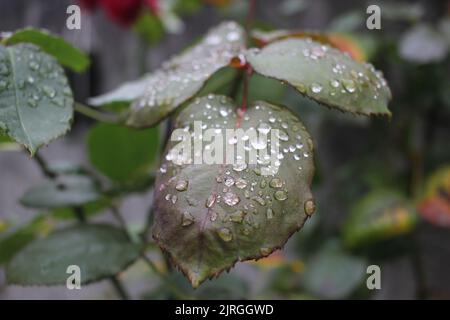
(324, 74)
(66, 54)
(100, 251)
(332, 273)
(122, 153)
(67, 191)
(183, 76)
(435, 204)
(36, 103)
(379, 216)
(209, 216)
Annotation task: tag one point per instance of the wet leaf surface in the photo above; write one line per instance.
(100, 251)
(209, 216)
(183, 76)
(379, 216)
(324, 74)
(36, 103)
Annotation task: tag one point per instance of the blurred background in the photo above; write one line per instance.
(382, 187)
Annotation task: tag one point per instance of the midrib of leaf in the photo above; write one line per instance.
(16, 105)
(221, 170)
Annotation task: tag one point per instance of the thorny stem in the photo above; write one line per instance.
(97, 115)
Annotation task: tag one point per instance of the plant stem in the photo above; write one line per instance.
(250, 16)
(44, 167)
(81, 217)
(97, 115)
(119, 288)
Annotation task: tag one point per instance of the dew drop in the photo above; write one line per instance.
(259, 200)
(229, 181)
(225, 234)
(237, 216)
(264, 251)
(241, 183)
(276, 183)
(240, 166)
(280, 195)
(349, 85)
(310, 207)
(231, 199)
(264, 128)
(187, 220)
(334, 83)
(316, 88)
(182, 185)
(49, 91)
(269, 213)
(210, 201)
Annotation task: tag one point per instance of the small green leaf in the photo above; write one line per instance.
(65, 53)
(379, 216)
(332, 273)
(324, 74)
(67, 191)
(209, 216)
(183, 76)
(122, 153)
(100, 251)
(36, 103)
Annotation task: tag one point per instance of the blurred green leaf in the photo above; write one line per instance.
(100, 251)
(149, 27)
(380, 215)
(66, 54)
(332, 273)
(66, 191)
(122, 153)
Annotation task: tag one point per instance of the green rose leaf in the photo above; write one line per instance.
(67, 191)
(183, 76)
(209, 216)
(332, 273)
(380, 215)
(324, 74)
(100, 251)
(122, 153)
(36, 103)
(66, 54)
